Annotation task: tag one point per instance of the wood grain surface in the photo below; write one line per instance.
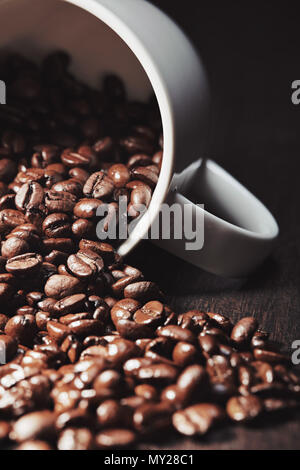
(251, 52)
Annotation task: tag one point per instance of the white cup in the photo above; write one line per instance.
(140, 43)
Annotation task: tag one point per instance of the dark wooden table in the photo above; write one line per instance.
(251, 52)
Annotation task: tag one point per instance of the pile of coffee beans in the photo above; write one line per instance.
(94, 356)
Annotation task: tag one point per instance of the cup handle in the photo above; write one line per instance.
(234, 232)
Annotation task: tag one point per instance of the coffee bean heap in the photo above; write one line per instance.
(67, 148)
(95, 357)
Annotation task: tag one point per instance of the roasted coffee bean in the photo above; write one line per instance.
(98, 186)
(148, 392)
(64, 245)
(87, 208)
(72, 186)
(136, 144)
(184, 354)
(244, 330)
(149, 418)
(5, 429)
(176, 333)
(143, 291)
(29, 197)
(208, 344)
(83, 228)
(75, 439)
(197, 419)
(39, 424)
(57, 225)
(22, 327)
(120, 350)
(59, 286)
(60, 201)
(115, 438)
(14, 246)
(150, 314)
(147, 174)
(119, 174)
(244, 408)
(34, 445)
(85, 264)
(270, 356)
(84, 157)
(111, 413)
(10, 219)
(161, 374)
(72, 304)
(25, 264)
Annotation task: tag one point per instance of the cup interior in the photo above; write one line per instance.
(35, 27)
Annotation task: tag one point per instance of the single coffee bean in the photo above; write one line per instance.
(84, 157)
(115, 438)
(36, 425)
(60, 201)
(150, 314)
(148, 392)
(176, 333)
(85, 264)
(197, 419)
(14, 246)
(162, 374)
(75, 439)
(60, 286)
(143, 291)
(184, 354)
(29, 197)
(270, 356)
(111, 413)
(244, 330)
(152, 417)
(98, 186)
(22, 327)
(71, 186)
(57, 225)
(25, 264)
(10, 219)
(87, 208)
(71, 304)
(58, 331)
(119, 174)
(244, 408)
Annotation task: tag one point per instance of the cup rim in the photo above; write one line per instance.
(143, 55)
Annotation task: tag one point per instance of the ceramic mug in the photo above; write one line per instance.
(140, 43)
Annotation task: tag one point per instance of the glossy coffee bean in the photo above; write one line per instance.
(60, 286)
(98, 186)
(197, 419)
(25, 264)
(243, 330)
(87, 208)
(75, 439)
(60, 201)
(115, 438)
(36, 425)
(57, 225)
(244, 408)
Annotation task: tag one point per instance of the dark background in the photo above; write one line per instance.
(251, 52)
